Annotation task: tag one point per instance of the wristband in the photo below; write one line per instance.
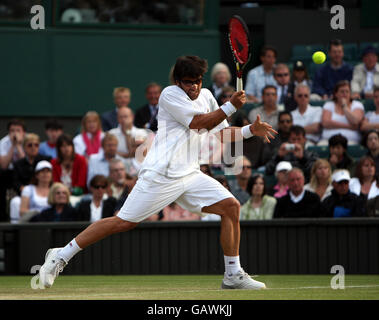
(228, 108)
(246, 132)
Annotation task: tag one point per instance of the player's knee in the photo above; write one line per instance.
(123, 225)
(232, 209)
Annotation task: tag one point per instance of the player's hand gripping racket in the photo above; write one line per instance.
(239, 41)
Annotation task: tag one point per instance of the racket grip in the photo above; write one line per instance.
(239, 84)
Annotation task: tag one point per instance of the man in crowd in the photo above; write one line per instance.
(284, 95)
(262, 75)
(121, 98)
(298, 202)
(338, 157)
(146, 116)
(239, 185)
(53, 130)
(332, 72)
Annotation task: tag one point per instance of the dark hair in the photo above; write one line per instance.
(376, 88)
(358, 168)
(334, 42)
(339, 84)
(222, 179)
(252, 182)
(338, 139)
(208, 169)
(53, 124)
(64, 138)
(268, 48)
(189, 66)
(269, 86)
(16, 122)
(297, 130)
(365, 137)
(281, 113)
(99, 179)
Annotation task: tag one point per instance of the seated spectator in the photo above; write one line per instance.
(307, 116)
(284, 94)
(220, 77)
(281, 173)
(239, 185)
(366, 75)
(69, 167)
(269, 111)
(371, 119)
(146, 116)
(24, 168)
(99, 163)
(328, 75)
(128, 136)
(53, 130)
(294, 152)
(119, 183)
(321, 179)
(60, 208)
(342, 115)
(371, 142)
(121, 98)
(225, 95)
(174, 212)
(298, 202)
(364, 184)
(34, 196)
(206, 168)
(338, 157)
(222, 179)
(260, 206)
(88, 142)
(342, 203)
(372, 207)
(262, 75)
(299, 76)
(100, 206)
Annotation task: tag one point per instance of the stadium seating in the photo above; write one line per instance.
(351, 52)
(304, 52)
(363, 45)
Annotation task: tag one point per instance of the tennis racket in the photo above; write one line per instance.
(239, 41)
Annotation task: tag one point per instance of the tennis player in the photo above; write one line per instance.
(171, 172)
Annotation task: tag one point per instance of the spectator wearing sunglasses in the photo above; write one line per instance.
(307, 116)
(285, 95)
(238, 186)
(101, 206)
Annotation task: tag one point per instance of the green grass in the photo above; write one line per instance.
(191, 287)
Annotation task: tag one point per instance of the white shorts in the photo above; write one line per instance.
(153, 192)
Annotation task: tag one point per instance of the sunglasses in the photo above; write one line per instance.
(99, 187)
(191, 82)
(282, 75)
(303, 95)
(29, 145)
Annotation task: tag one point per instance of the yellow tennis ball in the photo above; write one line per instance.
(319, 57)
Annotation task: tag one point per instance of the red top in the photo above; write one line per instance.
(78, 174)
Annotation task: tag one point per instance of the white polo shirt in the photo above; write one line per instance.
(175, 149)
(136, 133)
(310, 116)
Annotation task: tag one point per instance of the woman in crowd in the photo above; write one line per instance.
(60, 208)
(89, 140)
(280, 189)
(365, 183)
(69, 167)
(260, 206)
(34, 196)
(101, 206)
(321, 179)
(221, 77)
(342, 115)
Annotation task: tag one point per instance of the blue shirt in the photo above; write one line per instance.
(46, 150)
(256, 80)
(326, 78)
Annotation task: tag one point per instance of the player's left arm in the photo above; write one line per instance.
(258, 128)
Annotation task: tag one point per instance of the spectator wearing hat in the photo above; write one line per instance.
(262, 75)
(281, 173)
(34, 196)
(342, 203)
(366, 75)
(307, 116)
(53, 130)
(332, 72)
(298, 202)
(299, 76)
(371, 119)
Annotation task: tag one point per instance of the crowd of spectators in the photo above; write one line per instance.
(87, 175)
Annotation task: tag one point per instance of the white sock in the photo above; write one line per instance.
(69, 250)
(232, 265)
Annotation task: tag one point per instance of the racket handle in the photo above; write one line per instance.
(239, 84)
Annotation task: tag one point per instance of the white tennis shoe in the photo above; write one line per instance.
(241, 280)
(51, 268)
